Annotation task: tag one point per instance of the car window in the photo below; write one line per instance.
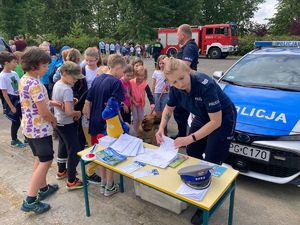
(276, 70)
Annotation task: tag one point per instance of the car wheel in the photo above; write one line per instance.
(215, 53)
(172, 52)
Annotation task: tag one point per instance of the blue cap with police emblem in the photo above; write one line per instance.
(196, 176)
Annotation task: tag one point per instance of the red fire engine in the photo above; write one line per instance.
(214, 40)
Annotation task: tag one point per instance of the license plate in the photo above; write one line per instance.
(249, 151)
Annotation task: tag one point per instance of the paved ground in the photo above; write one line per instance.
(256, 202)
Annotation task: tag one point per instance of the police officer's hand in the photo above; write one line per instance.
(159, 136)
(183, 141)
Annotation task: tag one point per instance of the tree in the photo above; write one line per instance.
(223, 11)
(11, 12)
(288, 11)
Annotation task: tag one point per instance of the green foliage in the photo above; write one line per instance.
(78, 38)
(288, 11)
(246, 43)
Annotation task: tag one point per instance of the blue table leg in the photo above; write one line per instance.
(121, 183)
(205, 217)
(85, 188)
(231, 205)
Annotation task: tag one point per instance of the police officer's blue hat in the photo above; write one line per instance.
(196, 176)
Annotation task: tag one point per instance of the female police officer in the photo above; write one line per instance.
(212, 128)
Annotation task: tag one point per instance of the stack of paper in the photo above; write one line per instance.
(160, 157)
(128, 145)
(106, 141)
(192, 193)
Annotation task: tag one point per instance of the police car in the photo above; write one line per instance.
(265, 88)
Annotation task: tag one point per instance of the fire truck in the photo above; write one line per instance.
(214, 40)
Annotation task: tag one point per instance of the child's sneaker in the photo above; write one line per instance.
(37, 207)
(52, 188)
(102, 188)
(77, 184)
(112, 190)
(94, 179)
(17, 143)
(61, 175)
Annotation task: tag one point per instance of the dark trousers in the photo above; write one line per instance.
(126, 116)
(155, 57)
(216, 145)
(181, 116)
(2, 101)
(80, 135)
(15, 125)
(68, 147)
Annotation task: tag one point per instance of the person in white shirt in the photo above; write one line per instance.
(91, 58)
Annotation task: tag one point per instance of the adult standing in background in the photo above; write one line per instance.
(156, 49)
(20, 43)
(107, 48)
(102, 47)
(118, 48)
(111, 48)
(189, 53)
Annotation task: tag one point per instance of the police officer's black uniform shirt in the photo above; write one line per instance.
(205, 97)
(189, 52)
(157, 47)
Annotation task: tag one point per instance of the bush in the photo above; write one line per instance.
(246, 43)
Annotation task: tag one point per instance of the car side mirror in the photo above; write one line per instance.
(218, 74)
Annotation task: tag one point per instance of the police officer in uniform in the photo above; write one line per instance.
(212, 128)
(189, 53)
(156, 49)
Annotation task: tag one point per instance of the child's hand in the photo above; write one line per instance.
(77, 115)
(53, 122)
(75, 100)
(13, 109)
(152, 107)
(58, 104)
(126, 109)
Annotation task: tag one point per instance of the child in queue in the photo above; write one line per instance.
(9, 87)
(104, 86)
(37, 123)
(139, 87)
(126, 104)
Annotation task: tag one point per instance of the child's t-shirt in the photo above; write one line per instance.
(45, 77)
(104, 87)
(127, 91)
(9, 82)
(90, 75)
(159, 76)
(62, 93)
(31, 91)
(19, 70)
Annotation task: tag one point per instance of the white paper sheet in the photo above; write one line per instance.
(128, 145)
(189, 192)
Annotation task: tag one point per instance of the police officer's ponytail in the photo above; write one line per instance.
(172, 64)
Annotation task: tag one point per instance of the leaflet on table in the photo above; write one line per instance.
(178, 160)
(217, 170)
(192, 193)
(128, 145)
(110, 156)
(156, 157)
(145, 173)
(132, 167)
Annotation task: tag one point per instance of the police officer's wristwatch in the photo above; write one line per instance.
(194, 137)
